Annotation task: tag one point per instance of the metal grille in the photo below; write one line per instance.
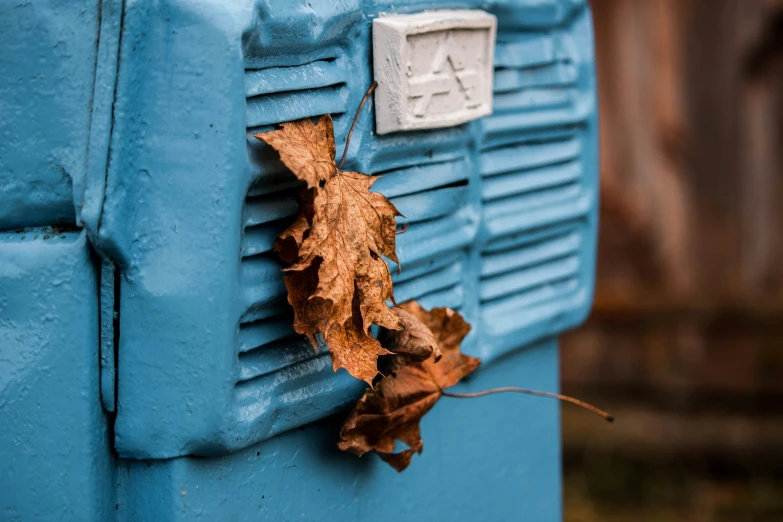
(538, 189)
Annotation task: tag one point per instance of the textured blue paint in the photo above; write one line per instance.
(55, 459)
(47, 69)
(126, 122)
(495, 458)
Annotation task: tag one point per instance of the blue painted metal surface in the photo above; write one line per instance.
(126, 123)
(493, 460)
(46, 87)
(55, 457)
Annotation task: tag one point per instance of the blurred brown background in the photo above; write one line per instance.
(685, 343)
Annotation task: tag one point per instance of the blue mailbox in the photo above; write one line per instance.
(148, 368)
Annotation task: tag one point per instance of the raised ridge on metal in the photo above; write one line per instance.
(276, 94)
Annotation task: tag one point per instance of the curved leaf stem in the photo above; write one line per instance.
(355, 119)
(566, 398)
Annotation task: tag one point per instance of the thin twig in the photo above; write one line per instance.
(566, 398)
(355, 119)
(402, 230)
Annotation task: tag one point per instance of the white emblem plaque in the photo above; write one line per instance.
(434, 69)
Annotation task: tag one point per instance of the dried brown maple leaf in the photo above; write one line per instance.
(358, 350)
(288, 243)
(351, 229)
(392, 410)
(307, 149)
(350, 345)
(338, 283)
(414, 341)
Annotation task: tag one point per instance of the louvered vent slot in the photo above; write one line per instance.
(265, 216)
(536, 197)
(524, 84)
(277, 94)
(276, 356)
(538, 192)
(433, 197)
(548, 264)
(529, 186)
(523, 288)
(281, 381)
(266, 340)
(268, 345)
(436, 283)
(535, 88)
(533, 197)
